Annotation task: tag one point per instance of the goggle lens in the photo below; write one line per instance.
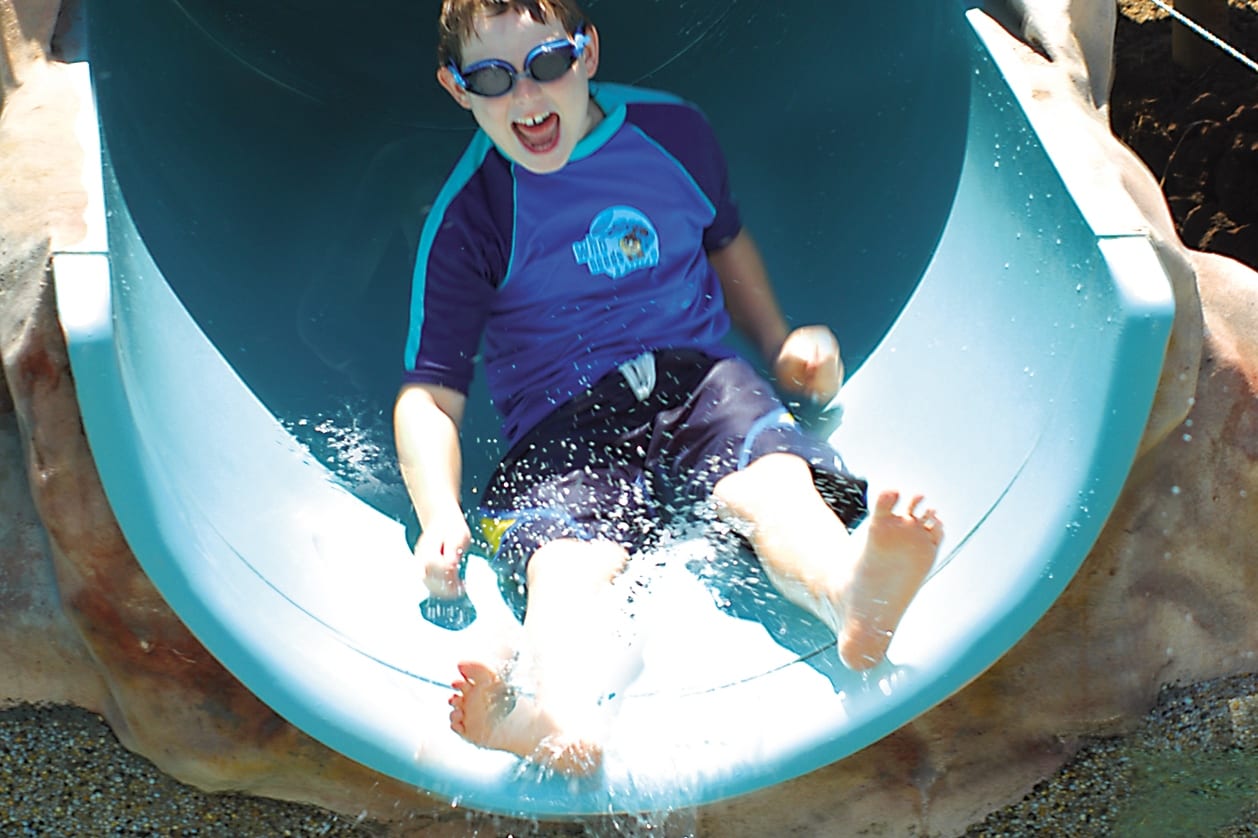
(489, 81)
(552, 63)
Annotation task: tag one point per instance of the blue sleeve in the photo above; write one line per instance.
(463, 254)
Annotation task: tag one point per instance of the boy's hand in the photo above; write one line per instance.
(809, 364)
(440, 550)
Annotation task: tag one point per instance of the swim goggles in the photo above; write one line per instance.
(545, 62)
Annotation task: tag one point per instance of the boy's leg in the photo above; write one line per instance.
(860, 585)
(550, 711)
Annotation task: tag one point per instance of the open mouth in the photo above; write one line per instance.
(539, 134)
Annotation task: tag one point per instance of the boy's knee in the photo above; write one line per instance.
(767, 479)
(572, 559)
(780, 467)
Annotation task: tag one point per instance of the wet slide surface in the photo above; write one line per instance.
(265, 170)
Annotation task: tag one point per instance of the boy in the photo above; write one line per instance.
(588, 235)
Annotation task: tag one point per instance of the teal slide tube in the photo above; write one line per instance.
(261, 173)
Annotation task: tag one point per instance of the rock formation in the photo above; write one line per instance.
(1165, 596)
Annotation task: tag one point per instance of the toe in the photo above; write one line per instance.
(886, 503)
(475, 673)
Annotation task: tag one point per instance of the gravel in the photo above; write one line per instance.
(64, 773)
(1190, 769)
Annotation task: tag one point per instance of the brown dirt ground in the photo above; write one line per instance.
(1197, 132)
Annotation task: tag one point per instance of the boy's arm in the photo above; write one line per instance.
(805, 361)
(426, 421)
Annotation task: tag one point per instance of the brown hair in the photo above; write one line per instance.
(458, 20)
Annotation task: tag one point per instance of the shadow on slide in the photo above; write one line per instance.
(236, 331)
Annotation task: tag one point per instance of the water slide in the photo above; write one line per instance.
(236, 326)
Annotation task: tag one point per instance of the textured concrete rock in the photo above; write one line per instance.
(1164, 597)
(1077, 36)
(41, 655)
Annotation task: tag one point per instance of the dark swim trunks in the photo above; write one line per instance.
(620, 465)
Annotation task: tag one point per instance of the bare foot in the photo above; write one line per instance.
(860, 590)
(490, 712)
(898, 554)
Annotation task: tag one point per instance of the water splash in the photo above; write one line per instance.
(355, 443)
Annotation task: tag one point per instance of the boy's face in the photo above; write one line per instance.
(535, 124)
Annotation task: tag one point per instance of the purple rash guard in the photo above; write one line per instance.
(567, 275)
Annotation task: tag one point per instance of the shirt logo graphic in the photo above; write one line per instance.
(621, 240)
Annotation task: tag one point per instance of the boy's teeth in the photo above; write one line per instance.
(534, 120)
